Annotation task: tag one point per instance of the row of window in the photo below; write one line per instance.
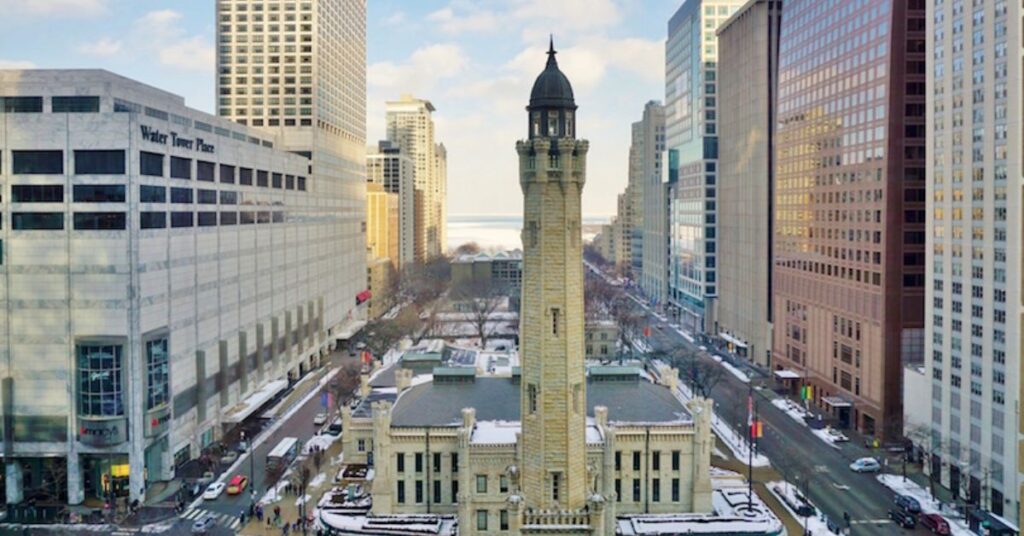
(655, 460)
(117, 221)
(73, 104)
(112, 162)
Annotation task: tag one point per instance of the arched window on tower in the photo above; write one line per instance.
(535, 124)
(568, 125)
(552, 124)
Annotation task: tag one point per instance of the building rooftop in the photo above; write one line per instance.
(497, 399)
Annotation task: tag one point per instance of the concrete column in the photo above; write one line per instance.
(15, 485)
(383, 483)
(76, 493)
(701, 409)
(137, 470)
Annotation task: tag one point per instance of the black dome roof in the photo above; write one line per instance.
(552, 89)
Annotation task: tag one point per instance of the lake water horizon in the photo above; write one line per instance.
(501, 231)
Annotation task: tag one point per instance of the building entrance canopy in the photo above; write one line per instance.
(836, 402)
(254, 401)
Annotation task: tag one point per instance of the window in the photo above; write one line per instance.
(152, 194)
(289, 182)
(261, 178)
(656, 490)
(277, 180)
(400, 462)
(153, 220)
(245, 176)
(301, 183)
(207, 197)
(227, 174)
(181, 168)
(481, 520)
(455, 462)
(100, 386)
(675, 490)
(228, 197)
(636, 460)
(556, 486)
(157, 382)
(532, 393)
(503, 483)
(37, 193)
(37, 162)
(228, 218)
(618, 489)
(554, 321)
(75, 104)
(675, 460)
(636, 490)
(361, 445)
(99, 162)
(401, 492)
(419, 491)
(455, 490)
(503, 520)
(207, 219)
(656, 460)
(16, 105)
(151, 164)
(99, 221)
(246, 218)
(437, 462)
(618, 460)
(419, 462)
(181, 219)
(99, 193)
(204, 170)
(481, 483)
(437, 491)
(37, 221)
(181, 195)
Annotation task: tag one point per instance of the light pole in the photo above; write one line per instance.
(252, 468)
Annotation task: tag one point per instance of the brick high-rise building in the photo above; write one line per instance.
(849, 236)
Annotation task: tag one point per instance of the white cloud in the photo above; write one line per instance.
(161, 32)
(104, 47)
(395, 19)
(570, 16)
(16, 64)
(55, 8)
(450, 22)
(421, 71)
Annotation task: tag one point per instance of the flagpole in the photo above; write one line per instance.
(750, 445)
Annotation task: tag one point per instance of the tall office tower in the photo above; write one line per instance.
(624, 232)
(441, 172)
(849, 233)
(973, 339)
(552, 171)
(388, 166)
(691, 105)
(653, 274)
(411, 127)
(382, 215)
(167, 273)
(297, 70)
(635, 198)
(748, 53)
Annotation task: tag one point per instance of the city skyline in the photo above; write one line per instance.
(472, 60)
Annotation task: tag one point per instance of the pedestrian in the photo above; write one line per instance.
(268, 523)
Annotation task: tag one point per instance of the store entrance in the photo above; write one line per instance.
(105, 477)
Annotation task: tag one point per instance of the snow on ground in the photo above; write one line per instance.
(737, 445)
(791, 408)
(740, 375)
(786, 492)
(928, 503)
(323, 441)
(274, 494)
(302, 500)
(318, 480)
(822, 434)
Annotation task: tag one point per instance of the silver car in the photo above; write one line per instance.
(203, 524)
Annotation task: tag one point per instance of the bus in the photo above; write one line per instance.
(283, 453)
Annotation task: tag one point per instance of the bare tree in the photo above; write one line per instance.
(301, 477)
(422, 283)
(381, 335)
(699, 373)
(598, 295)
(345, 383)
(469, 248)
(482, 299)
(628, 320)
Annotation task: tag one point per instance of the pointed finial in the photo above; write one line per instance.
(551, 49)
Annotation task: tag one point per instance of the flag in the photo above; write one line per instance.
(757, 429)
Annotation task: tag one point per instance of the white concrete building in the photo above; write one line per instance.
(410, 125)
(653, 274)
(974, 217)
(161, 269)
(389, 166)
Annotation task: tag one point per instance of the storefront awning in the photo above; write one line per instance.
(836, 402)
(786, 374)
(727, 337)
(349, 329)
(253, 402)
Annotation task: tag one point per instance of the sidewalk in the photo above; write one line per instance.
(321, 482)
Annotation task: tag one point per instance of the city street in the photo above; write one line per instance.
(226, 508)
(797, 454)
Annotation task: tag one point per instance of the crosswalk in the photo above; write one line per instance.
(223, 520)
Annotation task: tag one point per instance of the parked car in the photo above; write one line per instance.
(865, 465)
(836, 435)
(902, 519)
(206, 479)
(908, 503)
(213, 491)
(334, 428)
(935, 523)
(229, 457)
(237, 484)
(319, 419)
(203, 524)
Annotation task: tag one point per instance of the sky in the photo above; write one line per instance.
(475, 60)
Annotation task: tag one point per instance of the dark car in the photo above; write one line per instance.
(908, 503)
(902, 519)
(935, 523)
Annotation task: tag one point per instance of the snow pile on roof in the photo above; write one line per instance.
(495, 433)
(389, 525)
(323, 441)
(732, 513)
